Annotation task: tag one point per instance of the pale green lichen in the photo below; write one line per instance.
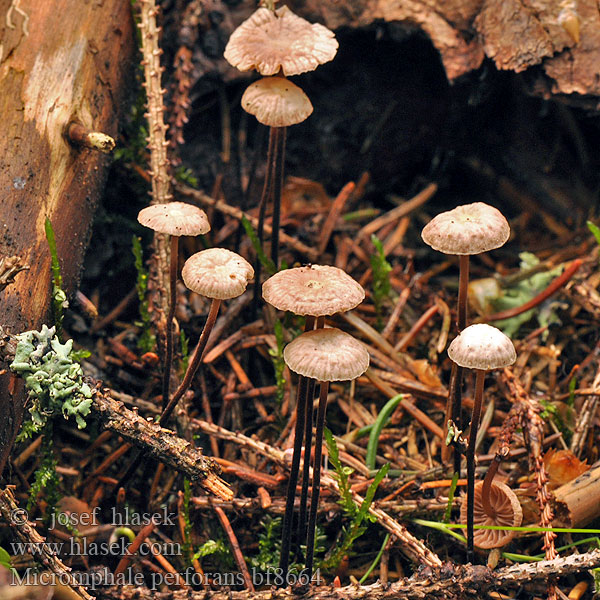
(53, 378)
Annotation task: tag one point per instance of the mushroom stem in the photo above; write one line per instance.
(280, 135)
(194, 361)
(284, 559)
(455, 396)
(463, 287)
(479, 382)
(170, 316)
(487, 486)
(310, 394)
(314, 501)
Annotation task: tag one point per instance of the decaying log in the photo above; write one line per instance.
(448, 583)
(563, 36)
(576, 503)
(60, 61)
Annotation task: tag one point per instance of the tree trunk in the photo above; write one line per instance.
(60, 61)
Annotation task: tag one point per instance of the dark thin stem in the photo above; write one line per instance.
(487, 486)
(277, 188)
(463, 286)
(314, 501)
(194, 361)
(170, 316)
(310, 394)
(479, 381)
(185, 384)
(286, 537)
(456, 395)
(267, 192)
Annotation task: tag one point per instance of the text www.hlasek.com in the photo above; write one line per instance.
(104, 577)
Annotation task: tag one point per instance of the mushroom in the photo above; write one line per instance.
(322, 355)
(175, 219)
(274, 42)
(505, 510)
(314, 291)
(219, 274)
(465, 230)
(481, 348)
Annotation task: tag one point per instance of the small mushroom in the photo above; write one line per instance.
(314, 291)
(506, 510)
(481, 348)
(465, 230)
(276, 102)
(274, 42)
(323, 355)
(219, 274)
(174, 219)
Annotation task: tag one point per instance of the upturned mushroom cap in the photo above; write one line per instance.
(316, 290)
(175, 218)
(508, 513)
(482, 347)
(217, 273)
(276, 102)
(468, 229)
(269, 41)
(327, 355)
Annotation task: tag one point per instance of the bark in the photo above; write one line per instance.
(576, 502)
(60, 61)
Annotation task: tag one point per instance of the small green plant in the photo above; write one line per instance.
(595, 230)
(381, 278)
(357, 514)
(269, 544)
(186, 175)
(46, 478)
(187, 522)
(146, 341)
(276, 355)
(6, 561)
(265, 261)
(185, 350)
(59, 298)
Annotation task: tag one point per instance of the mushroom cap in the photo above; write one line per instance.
(482, 347)
(276, 102)
(468, 229)
(327, 355)
(508, 513)
(269, 41)
(217, 273)
(316, 290)
(175, 218)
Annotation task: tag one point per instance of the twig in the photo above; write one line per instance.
(16, 518)
(454, 583)
(413, 548)
(186, 191)
(335, 211)
(235, 546)
(554, 286)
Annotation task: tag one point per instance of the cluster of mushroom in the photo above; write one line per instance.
(466, 230)
(277, 44)
(319, 355)
(216, 273)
